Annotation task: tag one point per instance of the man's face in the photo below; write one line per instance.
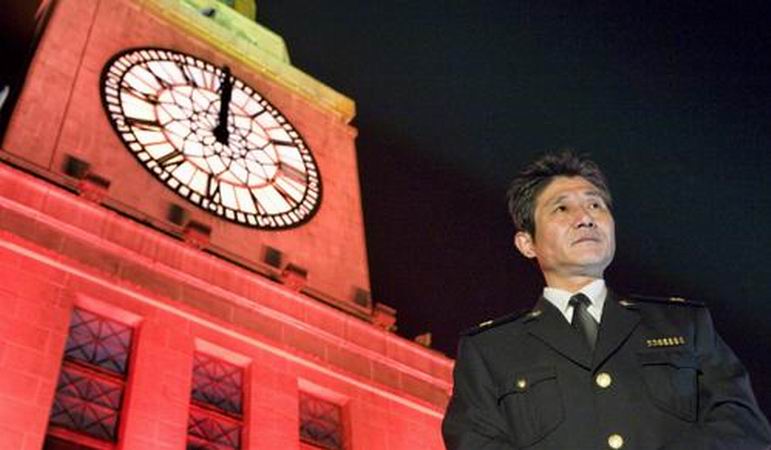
(574, 231)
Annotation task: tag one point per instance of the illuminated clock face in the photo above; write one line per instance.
(211, 138)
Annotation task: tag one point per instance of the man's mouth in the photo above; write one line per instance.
(586, 239)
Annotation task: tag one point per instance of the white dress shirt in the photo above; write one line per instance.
(596, 291)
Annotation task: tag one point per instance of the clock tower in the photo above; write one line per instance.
(183, 246)
(136, 97)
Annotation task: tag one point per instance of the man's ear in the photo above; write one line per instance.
(524, 243)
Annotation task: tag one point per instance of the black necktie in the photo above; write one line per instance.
(582, 320)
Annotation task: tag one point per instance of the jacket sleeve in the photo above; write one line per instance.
(473, 420)
(729, 417)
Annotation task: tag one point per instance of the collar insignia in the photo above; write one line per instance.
(534, 313)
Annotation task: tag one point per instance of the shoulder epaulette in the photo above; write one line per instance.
(490, 324)
(664, 300)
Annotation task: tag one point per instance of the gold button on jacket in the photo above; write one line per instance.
(603, 380)
(615, 441)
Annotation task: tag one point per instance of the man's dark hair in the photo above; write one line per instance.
(534, 178)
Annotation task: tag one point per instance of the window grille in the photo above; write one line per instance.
(321, 423)
(216, 416)
(89, 392)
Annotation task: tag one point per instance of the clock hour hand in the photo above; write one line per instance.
(221, 132)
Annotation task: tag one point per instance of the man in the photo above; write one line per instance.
(586, 368)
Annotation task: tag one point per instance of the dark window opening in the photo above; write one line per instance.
(321, 423)
(89, 393)
(216, 410)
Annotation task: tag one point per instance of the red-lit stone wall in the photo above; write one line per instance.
(60, 113)
(123, 260)
(59, 251)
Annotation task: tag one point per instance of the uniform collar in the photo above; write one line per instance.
(596, 291)
(548, 324)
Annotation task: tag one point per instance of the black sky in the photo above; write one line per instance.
(673, 99)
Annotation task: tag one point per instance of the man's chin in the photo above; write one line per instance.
(590, 255)
(594, 263)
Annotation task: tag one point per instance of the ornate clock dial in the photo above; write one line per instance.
(211, 138)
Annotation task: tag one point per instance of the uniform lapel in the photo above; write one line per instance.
(547, 324)
(617, 324)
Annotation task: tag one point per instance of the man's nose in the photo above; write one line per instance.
(585, 219)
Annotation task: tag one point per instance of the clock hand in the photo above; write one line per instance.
(280, 142)
(221, 132)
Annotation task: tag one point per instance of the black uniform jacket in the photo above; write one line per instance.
(659, 378)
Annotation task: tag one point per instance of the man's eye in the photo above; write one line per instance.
(560, 208)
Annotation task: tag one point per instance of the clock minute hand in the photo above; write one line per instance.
(221, 132)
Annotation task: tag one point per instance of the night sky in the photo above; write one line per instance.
(454, 97)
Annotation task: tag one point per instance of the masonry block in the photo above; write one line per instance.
(75, 211)
(324, 318)
(280, 301)
(20, 333)
(18, 223)
(409, 353)
(207, 303)
(365, 335)
(441, 368)
(424, 390)
(273, 410)
(349, 361)
(28, 286)
(32, 197)
(306, 342)
(18, 385)
(92, 256)
(151, 396)
(9, 305)
(369, 423)
(146, 276)
(18, 414)
(26, 361)
(385, 375)
(40, 233)
(124, 233)
(11, 261)
(259, 323)
(45, 393)
(11, 438)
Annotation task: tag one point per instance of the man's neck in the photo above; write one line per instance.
(570, 284)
